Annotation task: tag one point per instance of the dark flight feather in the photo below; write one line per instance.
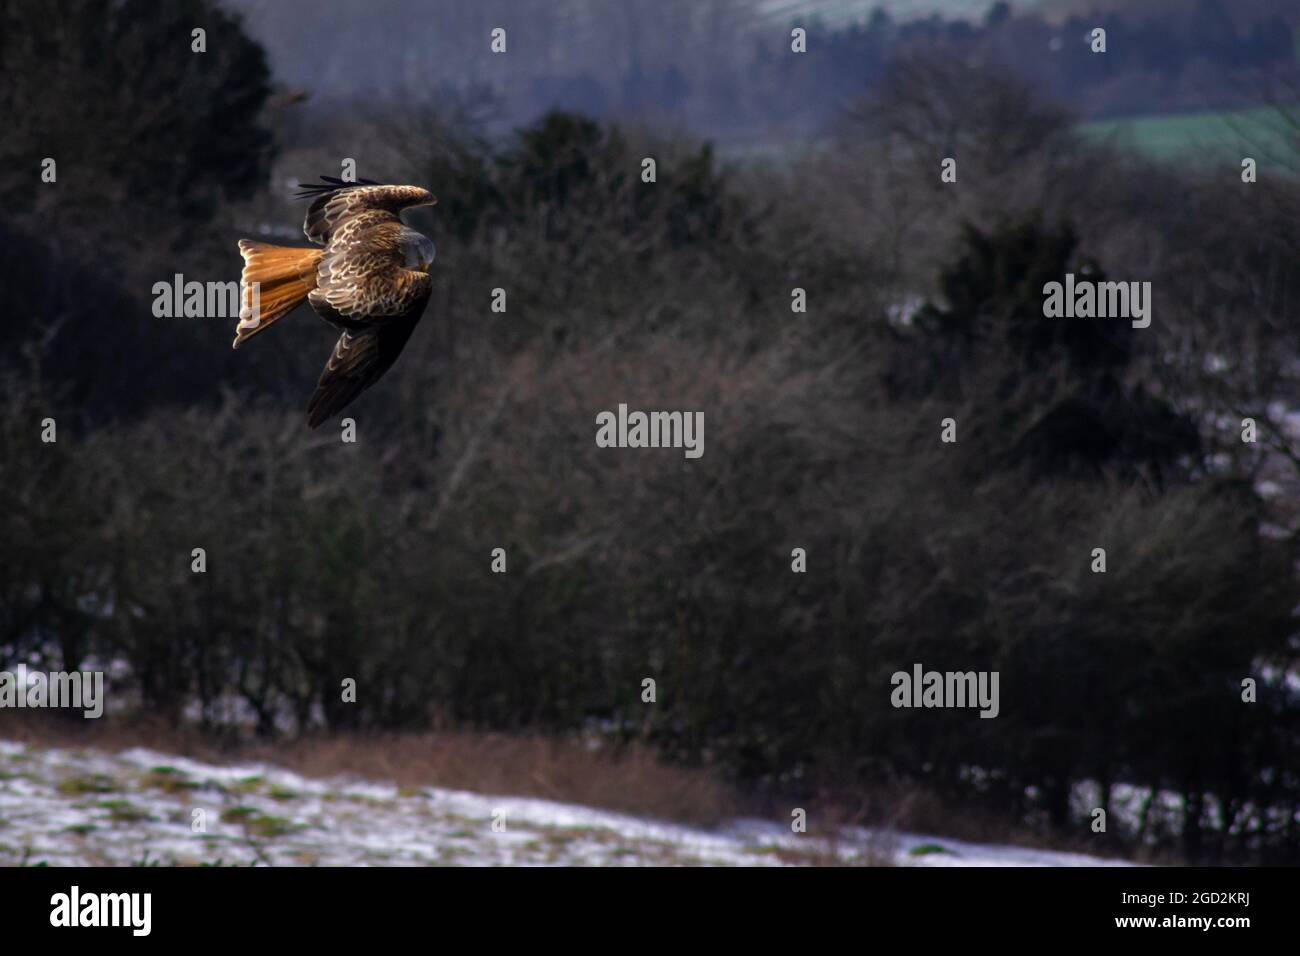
(329, 184)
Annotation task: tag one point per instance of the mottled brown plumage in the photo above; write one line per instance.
(370, 281)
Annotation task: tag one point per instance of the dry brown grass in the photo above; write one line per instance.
(627, 779)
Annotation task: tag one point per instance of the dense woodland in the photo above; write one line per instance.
(327, 560)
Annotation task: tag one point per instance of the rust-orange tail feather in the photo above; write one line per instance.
(275, 280)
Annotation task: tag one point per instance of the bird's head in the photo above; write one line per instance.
(417, 250)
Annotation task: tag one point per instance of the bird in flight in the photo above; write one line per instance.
(370, 280)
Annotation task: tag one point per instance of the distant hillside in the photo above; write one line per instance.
(843, 12)
(724, 69)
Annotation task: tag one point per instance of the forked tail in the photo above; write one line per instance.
(275, 280)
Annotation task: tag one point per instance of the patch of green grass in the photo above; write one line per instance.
(97, 783)
(269, 826)
(1205, 139)
(559, 838)
(928, 849)
(260, 824)
(81, 829)
(123, 811)
(282, 794)
(28, 858)
(248, 785)
(169, 780)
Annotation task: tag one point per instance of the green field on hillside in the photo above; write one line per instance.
(1270, 136)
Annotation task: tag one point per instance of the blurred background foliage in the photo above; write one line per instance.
(371, 560)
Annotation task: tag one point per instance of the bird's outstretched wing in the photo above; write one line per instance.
(335, 203)
(368, 348)
(363, 285)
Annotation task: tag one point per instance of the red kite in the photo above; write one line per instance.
(370, 281)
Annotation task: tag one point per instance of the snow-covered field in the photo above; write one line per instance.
(84, 807)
